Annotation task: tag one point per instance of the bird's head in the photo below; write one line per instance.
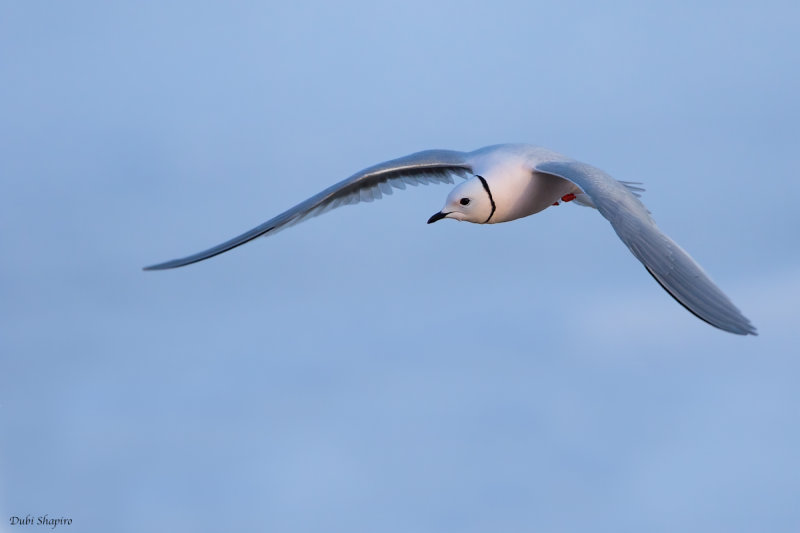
(470, 201)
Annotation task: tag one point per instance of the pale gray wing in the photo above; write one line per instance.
(430, 166)
(633, 186)
(667, 262)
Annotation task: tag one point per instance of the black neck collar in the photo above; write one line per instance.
(486, 188)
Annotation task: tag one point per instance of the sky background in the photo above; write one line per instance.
(363, 371)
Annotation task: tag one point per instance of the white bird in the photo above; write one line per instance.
(509, 181)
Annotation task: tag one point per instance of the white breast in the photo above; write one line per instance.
(517, 190)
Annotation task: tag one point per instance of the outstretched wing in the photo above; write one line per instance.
(667, 262)
(430, 166)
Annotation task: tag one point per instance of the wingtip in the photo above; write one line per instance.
(161, 266)
(744, 328)
(751, 330)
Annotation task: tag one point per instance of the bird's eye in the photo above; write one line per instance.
(464, 201)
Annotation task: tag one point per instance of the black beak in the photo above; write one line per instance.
(438, 216)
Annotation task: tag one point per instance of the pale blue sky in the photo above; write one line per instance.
(363, 371)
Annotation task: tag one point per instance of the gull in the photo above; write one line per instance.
(509, 181)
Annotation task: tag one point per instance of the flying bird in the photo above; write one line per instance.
(509, 181)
